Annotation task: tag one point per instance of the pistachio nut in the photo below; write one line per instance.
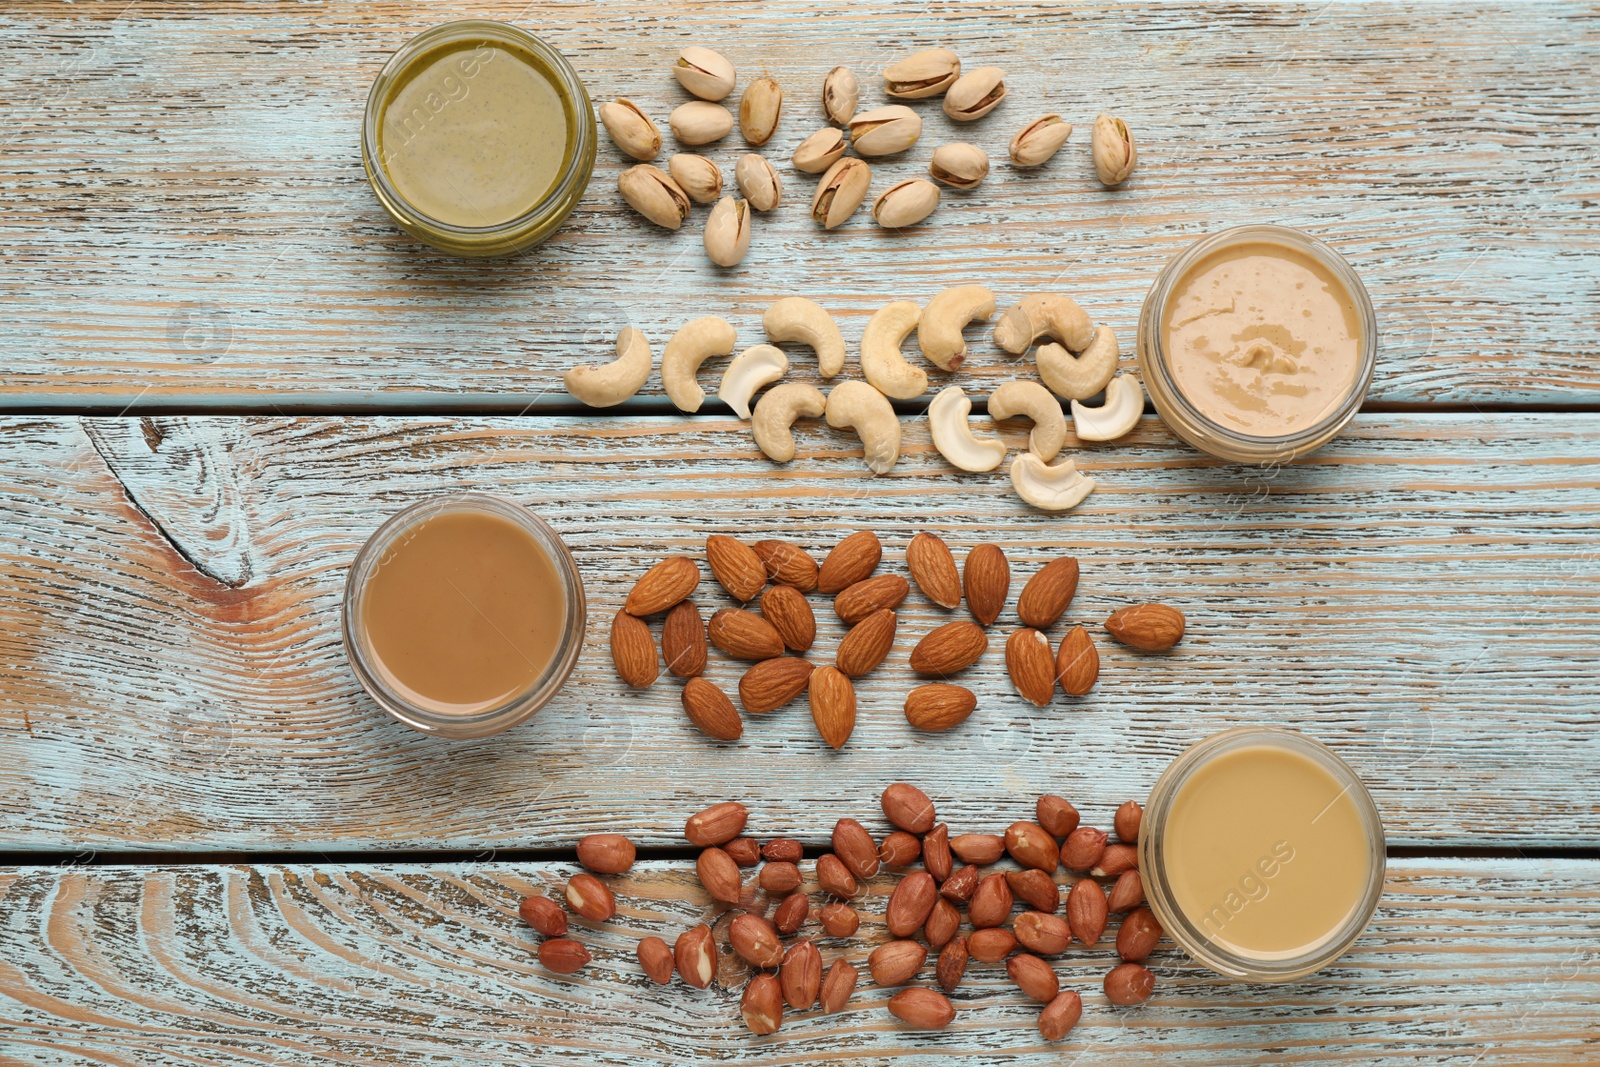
(704, 73)
(631, 129)
(841, 94)
(650, 192)
(883, 131)
(905, 203)
(819, 151)
(925, 74)
(841, 191)
(1040, 139)
(959, 165)
(759, 108)
(700, 122)
(976, 94)
(697, 176)
(1114, 153)
(758, 181)
(727, 235)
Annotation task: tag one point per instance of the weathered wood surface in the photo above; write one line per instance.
(1468, 962)
(186, 219)
(1421, 594)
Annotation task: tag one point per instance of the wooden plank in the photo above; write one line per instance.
(1420, 594)
(186, 214)
(1468, 961)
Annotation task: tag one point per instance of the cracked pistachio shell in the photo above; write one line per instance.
(758, 181)
(925, 74)
(704, 73)
(727, 235)
(631, 129)
(959, 165)
(759, 109)
(700, 122)
(1114, 152)
(976, 94)
(905, 203)
(1040, 139)
(884, 131)
(654, 195)
(841, 95)
(820, 151)
(697, 176)
(840, 192)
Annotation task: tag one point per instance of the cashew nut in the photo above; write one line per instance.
(1078, 377)
(693, 344)
(1050, 487)
(777, 410)
(946, 315)
(881, 360)
(1043, 315)
(1116, 417)
(794, 318)
(953, 437)
(858, 406)
(603, 385)
(1034, 401)
(756, 366)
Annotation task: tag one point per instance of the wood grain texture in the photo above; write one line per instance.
(1420, 594)
(1480, 962)
(187, 218)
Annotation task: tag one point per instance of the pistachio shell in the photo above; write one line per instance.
(697, 176)
(758, 181)
(700, 122)
(976, 94)
(727, 236)
(925, 74)
(841, 95)
(906, 203)
(631, 129)
(759, 109)
(885, 131)
(840, 192)
(1040, 139)
(1114, 151)
(654, 195)
(704, 73)
(820, 151)
(959, 165)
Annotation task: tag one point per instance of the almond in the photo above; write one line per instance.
(896, 962)
(544, 915)
(922, 1009)
(1138, 934)
(852, 560)
(683, 641)
(1034, 888)
(801, 976)
(991, 944)
(936, 856)
(855, 847)
(762, 1005)
(1031, 846)
(606, 853)
(710, 709)
(910, 904)
(1032, 666)
(1116, 861)
(1082, 848)
(840, 920)
(589, 897)
(719, 874)
(1056, 815)
(933, 568)
(953, 647)
(716, 825)
(987, 581)
(772, 683)
(960, 886)
(942, 923)
(867, 644)
(744, 850)
(779, 878)
(662, 586)
(787, 564)
(1060, 1016)
(655, 956)
(1077, 663)
(952, 964)
(783, 850)
(563, 955)
(1046, 596)
(792, 913)
(785, 607)
(736, 567)
(939, 706)
(1043, 933)
(833, 705)
(899, 849)
(755, 941)
(1036, 978)
(1128, 984)
(991, 902)
(1127, 893)
(858, 601)
(1151, 627)
(1127, 820)
(908, 807)
(633, 650)
(744, 635)
(979, 849)
(695, 953)
(1086, 911)
(838, 986)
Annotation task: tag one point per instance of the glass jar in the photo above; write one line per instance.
(1182, 415)
(421, 53)
(391, 696)
(1200, 935)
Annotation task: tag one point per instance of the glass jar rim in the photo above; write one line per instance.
(509, 712)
